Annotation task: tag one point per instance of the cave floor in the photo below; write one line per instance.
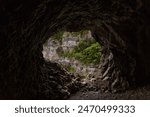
(141, 93)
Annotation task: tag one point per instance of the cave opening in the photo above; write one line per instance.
(90, 56)
(78, 52)
(63, 48)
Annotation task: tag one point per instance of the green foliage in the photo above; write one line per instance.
(71, 69)
(93, 53)
(82, 32)
(58, 36)
(89, 55)
(83, 44)
(88, 52)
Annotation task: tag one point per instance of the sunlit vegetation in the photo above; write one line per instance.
(88, 52)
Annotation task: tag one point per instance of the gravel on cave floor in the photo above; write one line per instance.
(140, 93)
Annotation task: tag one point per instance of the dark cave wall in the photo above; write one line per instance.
(26, 25)
(142, 35)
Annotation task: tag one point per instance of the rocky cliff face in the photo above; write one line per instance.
(53, 49)
(121, 26)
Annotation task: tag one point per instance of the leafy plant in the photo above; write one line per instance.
(83, 44)
(82, 32)
(91, 54)
(88, 52)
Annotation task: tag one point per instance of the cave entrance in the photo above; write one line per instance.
(78, 52)
(98, 59)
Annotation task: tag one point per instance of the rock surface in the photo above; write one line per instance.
(54, 48)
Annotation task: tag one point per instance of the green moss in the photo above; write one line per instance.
(91, 54)
(58, 36)
(83, 44)
(88, 52)
(71, 69)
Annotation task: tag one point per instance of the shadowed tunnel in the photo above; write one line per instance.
(122, 27)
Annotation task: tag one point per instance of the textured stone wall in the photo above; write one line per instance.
(54, 48)
(122, 26)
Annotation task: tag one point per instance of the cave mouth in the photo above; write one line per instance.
(104, 73)
(92, 57)
(78, 53)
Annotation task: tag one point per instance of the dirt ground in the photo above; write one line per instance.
(140, 93)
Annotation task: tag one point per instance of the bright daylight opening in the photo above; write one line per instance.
(77, 52)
